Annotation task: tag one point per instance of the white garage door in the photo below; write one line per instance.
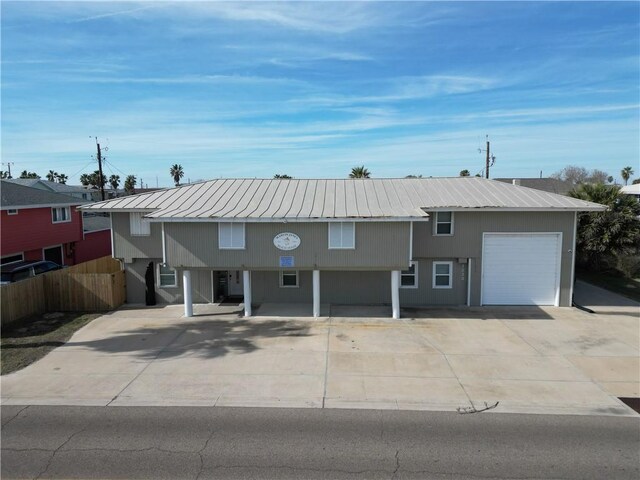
(521, 269)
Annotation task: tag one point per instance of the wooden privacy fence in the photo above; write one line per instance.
(94, 286)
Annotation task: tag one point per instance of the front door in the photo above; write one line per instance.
(234, 283)
(54, 254)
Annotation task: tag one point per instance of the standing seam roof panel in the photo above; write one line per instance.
(193, 194)
(232, 209)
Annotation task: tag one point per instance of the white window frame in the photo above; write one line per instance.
(289, 272)
(138, 225)
(66, 210)
(414, 275)
(14, 211)
(437, 222)
(21, 255)
(160, 275)
(341, 247)
(433, 280)
(232, 247)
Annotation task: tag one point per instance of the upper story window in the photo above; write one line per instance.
(139, 226)
(231, 236)
(342, 235)
(12, 211)
(444, 223)
(409, 277)
(60, 214)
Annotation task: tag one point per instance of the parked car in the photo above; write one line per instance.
(14, 272)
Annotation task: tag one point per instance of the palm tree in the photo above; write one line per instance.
(51, 176)
(114, 181)
(85, 179)
(465, 173)
(359, 172)
(626, 173)
(176, 173)
(130, 184)
(62, 178)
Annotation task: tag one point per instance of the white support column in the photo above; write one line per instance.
(316, 293)
(246, 283)
(395, 294)
(186, 286)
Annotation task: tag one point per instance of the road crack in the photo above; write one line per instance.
(395, 472)
(206, 444)
(15, 416)
(57, 450)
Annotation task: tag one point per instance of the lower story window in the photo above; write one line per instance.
(12, 258)
(167, 276)
(409, 277)
(442, 274)
(288, 278)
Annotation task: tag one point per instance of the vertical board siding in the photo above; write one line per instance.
(378, 245)
(426, 295)
(129, 247)
(355, 288)
(265, 287)
(467, 241)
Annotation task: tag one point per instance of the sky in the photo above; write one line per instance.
(312, 89)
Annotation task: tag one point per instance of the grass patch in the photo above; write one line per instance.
(628, 287)
(30, 339)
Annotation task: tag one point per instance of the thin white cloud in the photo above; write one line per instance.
(117, 13)
(407, 88)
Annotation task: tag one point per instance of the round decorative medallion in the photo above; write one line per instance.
(286, 241)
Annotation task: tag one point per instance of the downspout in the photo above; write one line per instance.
(573, 252)
(469, 282)
(113, 243)
(164, 247)
(410, 243)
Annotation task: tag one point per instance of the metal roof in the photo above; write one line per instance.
(18, 196)
(553, 185)
(308, 199)
(631, 189)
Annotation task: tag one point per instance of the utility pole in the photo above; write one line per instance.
(101, 179)
(9, 168)
(491, 159)
(486, 171)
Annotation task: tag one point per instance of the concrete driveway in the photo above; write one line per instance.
(531, 360)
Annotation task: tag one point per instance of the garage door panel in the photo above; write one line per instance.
(520, 269)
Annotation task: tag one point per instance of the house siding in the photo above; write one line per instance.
(467, 241)
(129, 247)
(359, 276)
(192, 245)
(201, 291)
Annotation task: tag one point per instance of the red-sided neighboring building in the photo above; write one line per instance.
(40, 225)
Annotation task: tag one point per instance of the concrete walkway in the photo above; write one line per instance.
(530, 360)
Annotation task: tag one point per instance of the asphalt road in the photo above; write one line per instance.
(248, 443)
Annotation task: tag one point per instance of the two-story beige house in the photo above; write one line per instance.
(397, 242)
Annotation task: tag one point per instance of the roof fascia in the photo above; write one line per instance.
(517, 209)
(46, 205)
(286, 220)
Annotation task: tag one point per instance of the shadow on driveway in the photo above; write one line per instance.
(479, 313)
(206, 338)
